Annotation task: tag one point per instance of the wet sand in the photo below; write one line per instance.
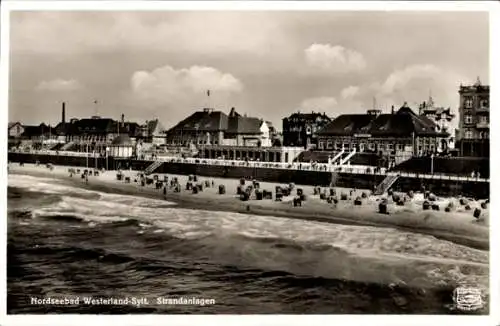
(458, 226)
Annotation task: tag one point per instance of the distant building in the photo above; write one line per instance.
(152, 132)
(443, 119)
(15, 129)
(399, 135)
(301, 129)
(474, 125)
(215, 128)
(247, 131)
(96, 134)
(38, 134)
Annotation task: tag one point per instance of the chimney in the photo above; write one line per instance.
(123, 120)
(63, 117)
(392, 109)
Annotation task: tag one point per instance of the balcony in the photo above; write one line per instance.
(482, 109)
(483, 125)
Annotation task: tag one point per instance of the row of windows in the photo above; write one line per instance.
(387, 147)
(469, 134)
(187, 142)
(470, 119)
(469, 102)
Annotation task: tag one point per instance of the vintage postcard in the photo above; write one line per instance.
(323, 159)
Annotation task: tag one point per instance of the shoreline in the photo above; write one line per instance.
(447, 226)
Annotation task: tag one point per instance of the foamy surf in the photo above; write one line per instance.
(360, 253)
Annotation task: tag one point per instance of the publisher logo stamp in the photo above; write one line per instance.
(467, 298)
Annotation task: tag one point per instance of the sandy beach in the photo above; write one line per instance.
(459, 225)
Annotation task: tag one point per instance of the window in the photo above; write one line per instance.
(468, 102)
(400, 147)
(468, 134)
(329, 144)
(484, 104)
(468, 118)
(371, 146)
(321, 144)
(337, 145)
(390, 147)
(381, 147)
(483, 119)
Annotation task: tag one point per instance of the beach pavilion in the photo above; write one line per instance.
(121, 147)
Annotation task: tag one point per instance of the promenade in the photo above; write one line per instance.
(320, 167)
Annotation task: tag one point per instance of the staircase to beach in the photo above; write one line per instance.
(348, 157)
(68, 146)
(385, 184)
(150, 169)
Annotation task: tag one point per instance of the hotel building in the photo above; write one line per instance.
(474, 125)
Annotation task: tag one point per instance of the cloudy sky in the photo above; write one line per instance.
(265, 64)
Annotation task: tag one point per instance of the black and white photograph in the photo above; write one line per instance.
(208, 161)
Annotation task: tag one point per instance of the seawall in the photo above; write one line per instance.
(441, 187)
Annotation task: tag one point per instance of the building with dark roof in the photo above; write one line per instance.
(301, 129)
(402, 133)
(152, 131)
(473, 134)
(215, 128)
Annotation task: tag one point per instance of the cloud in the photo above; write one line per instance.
(182, 89)
(170, 82)
(59, 85)
(169, 32)
(414, 83)
(319, 104)
(334, 59)
(349, 92)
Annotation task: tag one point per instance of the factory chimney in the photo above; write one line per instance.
(123, 120)
(63, 117)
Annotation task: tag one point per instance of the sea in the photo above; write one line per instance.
(119, 254)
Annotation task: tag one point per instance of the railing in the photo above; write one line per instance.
(348, 157)
(150, 169)
(68, 145)
(385, 184)
(317, 167)
(338, 156)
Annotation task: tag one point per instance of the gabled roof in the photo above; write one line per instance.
(203, 121)
(347, 124)
(308, 116)
(12, 124)
(62, 128)
(401, 124)
(94, 126)
(36, 131)
(238, 124)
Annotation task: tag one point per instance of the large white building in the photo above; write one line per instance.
(443, 118)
